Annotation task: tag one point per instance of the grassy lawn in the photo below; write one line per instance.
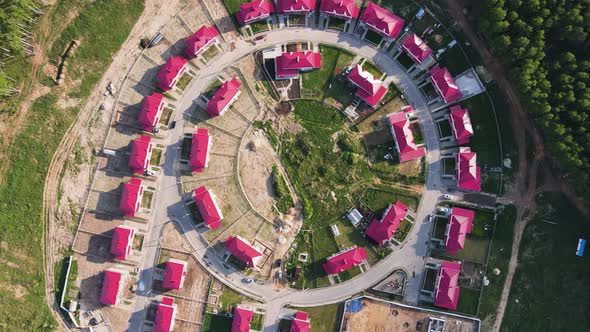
(430, 279)
(402, 232)
(166, 114)
(316, 82)
(475, 250)
(405, 60)
(449, 165)
(372, 69)
(229, 299)
(324, 318)
(146, 200)
(454, 60)
(233, 6)
(373, 37)
(283, 199)
(214, 323)
(212, 88)
(209, 53)
(259, 26)
(156, 157)
(445, 129)
(337, 24)
(350, 236)
(257, 322)
(468, 301)
(378, 199)
(184, 80)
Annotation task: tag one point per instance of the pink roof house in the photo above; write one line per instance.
(447, 292)
(200, 147)
(122, 242)
(404, 138)
(242, 318)
(300, 322)
(295, 6)
(199, 41)
(131, 195)
(288, 65)
(242, 250)
(165, 314)
(382, 21)
(112, 286)
(416, 48)
(370, 89)
(460, 224)
(254, 11)
(174, 274)
(151, 111)
(445, 85)
(227, 93)
(382, 230)
(141, 153)
(344, 260)
(461, 124)
(208, 208)
(344, 9)
(171, 72)
(468, 173)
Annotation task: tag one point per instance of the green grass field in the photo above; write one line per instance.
(325, 318)
(215, 323)
(468, 301)
(316, 82)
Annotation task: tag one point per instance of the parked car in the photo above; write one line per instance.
(247, 280)
(260, 37)
(172, 125)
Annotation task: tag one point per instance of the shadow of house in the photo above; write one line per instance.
(148, 83)
(99, 248)
(90, 289)
(118, 166)
(108, 202)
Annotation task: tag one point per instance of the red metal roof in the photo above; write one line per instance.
(382, 230)
(111, 283)
(174, 274)
(222, 98)
(300, 323)
(445, 84)
(400, 126)
(344, 260)
(447, 292)
(208, 208)
(149, 116)
(254, 11)
(141, 149)
(468, 173)
(295, 6)
(242, 318)
(130, 199)
(171, 72)
(289, 64)
(460, 224)
(122, 241)
(242, 250)
(346, 9)
(371, 90)
(200, 40)
(165, 315)
(461, 124)
(382, 20)
(199, 155)
(416, 48)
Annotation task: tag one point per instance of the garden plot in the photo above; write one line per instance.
(247, 226)
(196, 282)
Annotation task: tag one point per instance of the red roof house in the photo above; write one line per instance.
(460, 224)
(242, 318)
(112, 283)
(344, 9)
(227, 93)
(131, 195)
(416, 48)
(295, 6)
(174, 274)
(445, 85)
(200, 41)
(122, 242)
(404, 138)
(461, 124)
(468, 173)
(200, 146)
(382, 230)
(345, 260)
(242, 250)
(370, 89)
(254, 11)
(447, 292)
(208, 208)
(288, 64)
(151, 110)
(141, 152)
(165, 314)
(300, 322)
(171, 72)
(382, 21)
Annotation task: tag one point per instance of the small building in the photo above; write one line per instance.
(417, 50)
(208, 208)
(460, 224)
(354, 216)
(242, 318)
(200, 147)
(381, 21)
(343, 9)
(151, 111)
(113, 282)
(141, 153)
(461, 124)
(295, 6)
(174, 274)
(344, 260)
(122, 242)
(227, 93)
(254, 11)
(201, 40)
(447, 289)
(171, 72)
(165, 315)
(468, 173)
(445, 85)
(300, 322)
(288, 64)
(406, 148)
(243, 251)
(370, 89)
(382, 230)
(581, 247)
(131, 196)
